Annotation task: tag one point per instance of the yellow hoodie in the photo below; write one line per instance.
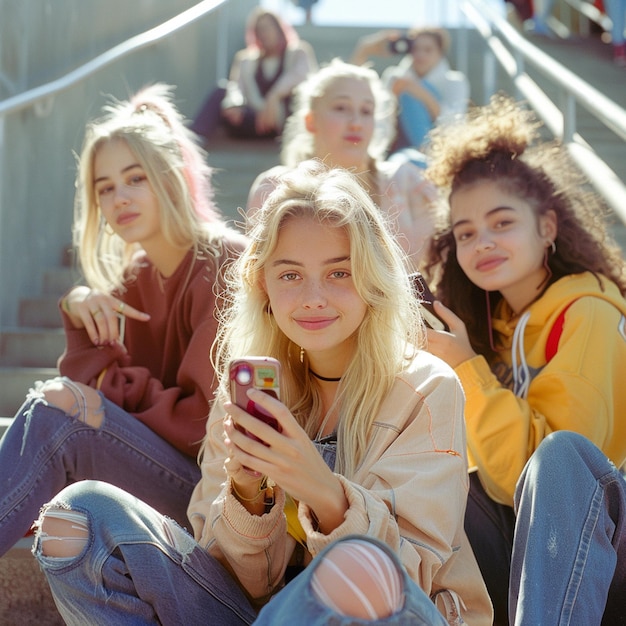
(581, 389)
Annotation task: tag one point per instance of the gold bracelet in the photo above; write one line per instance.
(261, 491)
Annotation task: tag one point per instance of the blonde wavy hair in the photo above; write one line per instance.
(298, 144)
(387, 336)
(174, 164)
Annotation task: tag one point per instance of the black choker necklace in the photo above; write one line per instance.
(327, 380)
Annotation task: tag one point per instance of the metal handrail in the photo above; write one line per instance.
(560, 120)
(588, 12)
(603, 108)
(41, 93)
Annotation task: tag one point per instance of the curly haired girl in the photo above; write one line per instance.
(532, 289)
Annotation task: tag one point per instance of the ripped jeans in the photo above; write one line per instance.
(565, 549)
(135, 566)
(46, 449)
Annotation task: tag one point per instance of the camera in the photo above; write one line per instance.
(402, 45)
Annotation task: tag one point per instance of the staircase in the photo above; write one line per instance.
(28, 353)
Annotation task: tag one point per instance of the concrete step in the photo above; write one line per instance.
(25, 598)
(41, 312)
(31, 347)
(57, 280)
(15, 383)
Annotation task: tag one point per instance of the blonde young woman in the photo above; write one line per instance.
(363, 485)
(344, 117)
(133, 398)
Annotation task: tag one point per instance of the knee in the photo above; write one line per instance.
(357, 578)
(62, 532)
(74, 399)
(563, 458)
(62, 529)
(562, 450)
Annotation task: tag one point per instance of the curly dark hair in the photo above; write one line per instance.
(501, 143)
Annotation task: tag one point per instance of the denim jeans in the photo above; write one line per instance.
(414, 121)
(297, 604)
(139, 567)
(209, 116)
(569, 555)
(565, 552)
(45, 449)
(616, 10)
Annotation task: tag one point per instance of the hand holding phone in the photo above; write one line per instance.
(256, 372)
(426, 298)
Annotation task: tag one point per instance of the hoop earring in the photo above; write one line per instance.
(553, 247)
(301, 354)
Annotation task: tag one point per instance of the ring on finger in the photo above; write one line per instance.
(96, 312)
(120, 307)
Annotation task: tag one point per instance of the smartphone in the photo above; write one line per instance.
(426, 298)
(401, 45)
(258, 372)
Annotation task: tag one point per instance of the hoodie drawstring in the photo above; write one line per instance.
(521, 376)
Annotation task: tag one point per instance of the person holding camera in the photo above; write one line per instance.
(427, 89)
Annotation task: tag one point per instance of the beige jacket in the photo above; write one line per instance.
(410, 491)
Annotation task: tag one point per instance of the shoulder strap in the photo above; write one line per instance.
(552, 344)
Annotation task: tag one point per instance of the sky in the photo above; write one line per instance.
(383, 13)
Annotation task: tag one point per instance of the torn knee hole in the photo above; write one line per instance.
(62, 532)
(80, 402)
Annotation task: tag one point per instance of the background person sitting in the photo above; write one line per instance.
(616, 10)
(427, 89)
(255, 100)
